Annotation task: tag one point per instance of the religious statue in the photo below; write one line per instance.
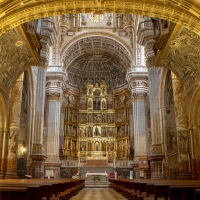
(89, 118)
(96, 131)
(103, 91)
(82, 133)
(74, 132)
(103, 104)
(13, 141)
(120, 145)
(90, 91)
(118, 117)
(83, 119)
(82, 146)
(123, 116)
(119, 131)
(89, 146)
(110, 133)
(74, 117)
(110, 119)
(122, 99)
(74, 146)
(98, 119)
(103, 118)
(103, 146)
(96, 146)
(70, 115)
(72, 99)
(110, 146)
(90, 104)
(89, 132)
(103, 132)
(69, 144)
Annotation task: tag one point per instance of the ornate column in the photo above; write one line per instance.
(56, 79)
(156, 151)
(138, 86)
(37, 152)
(14, 120)
(181, 128)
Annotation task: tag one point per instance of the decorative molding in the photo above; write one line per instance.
(15, 13)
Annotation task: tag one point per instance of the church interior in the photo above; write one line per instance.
(100, 86)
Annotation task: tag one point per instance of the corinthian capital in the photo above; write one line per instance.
(139, 96)
(55, 82)
(137, 78)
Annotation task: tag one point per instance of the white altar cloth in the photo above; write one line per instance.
(96, 174)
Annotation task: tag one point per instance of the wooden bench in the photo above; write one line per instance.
(143, 188)
(47, 188)
(197, 194)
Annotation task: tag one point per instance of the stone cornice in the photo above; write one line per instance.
(156, 157)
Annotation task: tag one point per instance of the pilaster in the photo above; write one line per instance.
(137, 78)
(14, 120)
(55, 84)
(156, 151)
(37, 152)
(181, 128)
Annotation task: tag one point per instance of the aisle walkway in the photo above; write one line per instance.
(98, 194)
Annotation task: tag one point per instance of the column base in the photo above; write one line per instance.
(185, 177)
(11, 176)
(2, 176)
(52, 169)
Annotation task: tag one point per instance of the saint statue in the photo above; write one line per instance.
(90, 104)
(96, 131)
(103, 104)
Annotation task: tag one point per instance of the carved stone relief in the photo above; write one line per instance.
(96, 69)
(183, 56)
(14, 57)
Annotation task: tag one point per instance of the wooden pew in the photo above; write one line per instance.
(173, 189)
(197, 194)
(46, 188)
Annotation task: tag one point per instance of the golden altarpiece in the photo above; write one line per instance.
(98, 129)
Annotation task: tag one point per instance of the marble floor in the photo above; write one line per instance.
(98, 194)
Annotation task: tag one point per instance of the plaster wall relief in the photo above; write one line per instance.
(195, 133)
(170, 131)
(1, 138)
(182, 56)
(181, 127)
(180, 11)
(14, 57)
(14, 122)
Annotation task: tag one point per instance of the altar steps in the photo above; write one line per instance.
(99, 184)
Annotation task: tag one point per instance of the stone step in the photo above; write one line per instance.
(99, 184)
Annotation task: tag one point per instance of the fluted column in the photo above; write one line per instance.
(156, 151)
(56, 79)
(14, 120)
(37, 151)
(181, 128)
(138, 86)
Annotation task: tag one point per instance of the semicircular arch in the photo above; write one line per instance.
(15, 13)
(122, 50)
